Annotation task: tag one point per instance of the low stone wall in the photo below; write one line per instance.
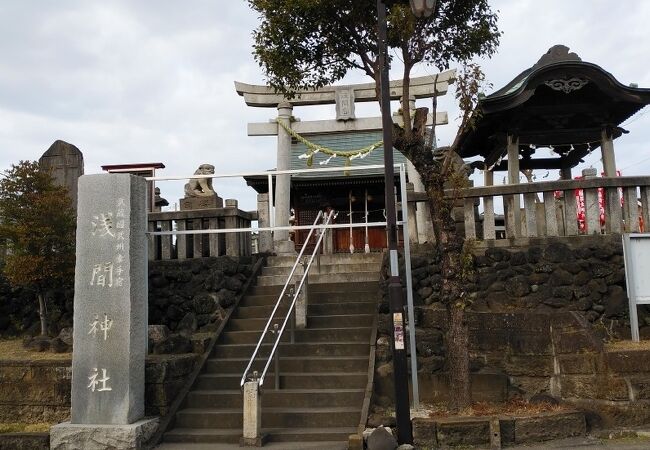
(24, 441)
(39, 391)
(507, 430)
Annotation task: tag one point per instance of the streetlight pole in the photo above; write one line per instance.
(395, 296)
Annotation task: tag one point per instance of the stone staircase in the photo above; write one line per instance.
(323, 374)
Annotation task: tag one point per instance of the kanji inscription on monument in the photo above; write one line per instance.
(110, 304)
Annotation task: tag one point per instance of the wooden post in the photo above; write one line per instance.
(513, 178)
(488, 208)
(607, 152)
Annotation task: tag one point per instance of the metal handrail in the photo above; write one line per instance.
(295, 296)
(277, 304)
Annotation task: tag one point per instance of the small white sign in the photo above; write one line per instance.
(636, 253)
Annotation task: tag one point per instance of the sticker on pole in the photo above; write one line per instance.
(398, 331)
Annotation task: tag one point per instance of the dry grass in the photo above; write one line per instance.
(12, 349)
(627, 345)
(514, 407)
(24, 427)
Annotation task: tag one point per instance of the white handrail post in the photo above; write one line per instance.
(252, 432)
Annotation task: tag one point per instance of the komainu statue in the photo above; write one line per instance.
(201, 187)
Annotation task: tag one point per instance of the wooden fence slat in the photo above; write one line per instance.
(488, 218)
(645, 207)
(151, 241)
(181, 240)
(550, 214)
(214, 238)
(197, 239)
(592, 211)
(166, 240)
(512, 224)
(613, 211)
(631, 209)
(570, 213)
(530, 209)
(470, 224)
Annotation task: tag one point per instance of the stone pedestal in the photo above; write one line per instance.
(68, 436)
(207, 202)
(252, 430)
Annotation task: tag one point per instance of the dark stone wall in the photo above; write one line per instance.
(205, 287)
(196, 290)
(539, 319)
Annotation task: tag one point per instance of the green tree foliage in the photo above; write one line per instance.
(306, 44)
(38, 223)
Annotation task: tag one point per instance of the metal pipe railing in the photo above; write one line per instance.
(277, 304)
(295, 296)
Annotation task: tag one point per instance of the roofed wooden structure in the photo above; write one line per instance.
(562, 103)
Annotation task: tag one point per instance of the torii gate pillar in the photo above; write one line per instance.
(281, 242)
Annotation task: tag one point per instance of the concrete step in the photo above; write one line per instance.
(315, 269)
(293, 364)
(297, 350)
(279, 280)
(288, 380)
(330, 438)
(358, 285)
(361, 334)
(341, 416)
(314, 322)
(332, 296)
(295, 398)
(263, 312)
(337, 258)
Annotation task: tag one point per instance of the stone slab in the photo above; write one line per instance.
(110, 302)
(207, 202)
(68, 436)
(549, 426)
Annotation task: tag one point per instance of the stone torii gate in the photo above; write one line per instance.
(344, 97)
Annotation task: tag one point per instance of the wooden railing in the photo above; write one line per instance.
(554, 208)
(186, 246)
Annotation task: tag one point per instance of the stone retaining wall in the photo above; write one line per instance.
(39, 391)
(538, 322)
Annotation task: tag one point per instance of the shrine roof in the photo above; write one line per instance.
(560, 102)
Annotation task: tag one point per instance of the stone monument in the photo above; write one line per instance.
(199, 193)
(110, 317)
(65, 163)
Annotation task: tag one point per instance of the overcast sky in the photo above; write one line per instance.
(148, 81)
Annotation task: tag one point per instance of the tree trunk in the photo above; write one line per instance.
(435, 174)
(457, 346)
(42, 312)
